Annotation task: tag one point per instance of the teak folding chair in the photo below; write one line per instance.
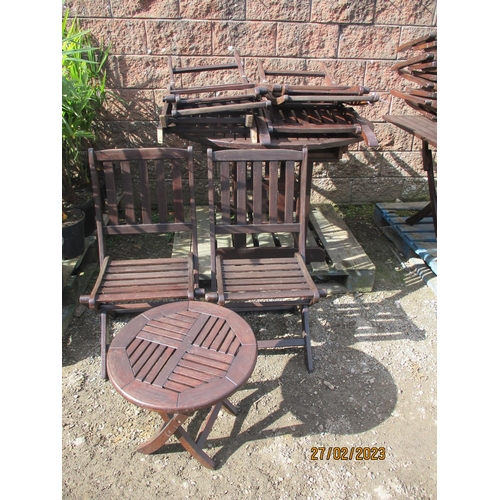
(251, 193)
(314, 110)
(207, 109)
(148, 190)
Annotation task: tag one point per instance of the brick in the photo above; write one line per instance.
(375, 112)
(142, 71)
(112, 134)
(368, 42)
(88, 8)
(392, 138)
(343, 11)
(255, 39)
(411, 33)
(282, 64)
(380, 77)
(352, 164)
(415, 189)
(380, 189)
(346, 72)
(126, 134)
(113, 77)
(207, 77)
(278, 10)
(134, 105)
(143, 134)
(404, 12)
(209, 9)
(327, 190)
(179, 37)
(307, 40)
(399, 107)
(401, 164)
(163, 9)
(126, 36)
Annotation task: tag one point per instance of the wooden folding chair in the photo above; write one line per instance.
(204, 110)
(149, 191)
(256, 190)
(313, 110)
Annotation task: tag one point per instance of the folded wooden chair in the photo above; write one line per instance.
(148, 190)
(203, 110)
(256, 192)
(313, 110)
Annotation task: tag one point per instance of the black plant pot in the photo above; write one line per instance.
(73, 233)
(89, 210)
(87, 207)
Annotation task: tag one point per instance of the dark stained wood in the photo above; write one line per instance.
(153, 201)
(276, 115)
(430, 37)
(261, 191)
(426, 131)
(418, 126)
(413, 60)
(420, 69)
(182, 357)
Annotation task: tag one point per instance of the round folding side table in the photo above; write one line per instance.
(182, 357)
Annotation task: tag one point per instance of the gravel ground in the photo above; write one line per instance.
(374, 386)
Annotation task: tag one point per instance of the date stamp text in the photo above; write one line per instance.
(344, 453)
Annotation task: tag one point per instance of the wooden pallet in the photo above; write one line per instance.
(419, 240)
(346, 262)
(346, 267)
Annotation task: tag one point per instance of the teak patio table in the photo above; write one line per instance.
(182, 357)
(425, 130)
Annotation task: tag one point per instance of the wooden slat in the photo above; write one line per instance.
(161, 191)
(430, 37)
(416, 125)
(343, 249)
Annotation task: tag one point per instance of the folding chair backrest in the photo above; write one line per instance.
(258, 191)
(148, 190)
(220, 72)
(295, 77)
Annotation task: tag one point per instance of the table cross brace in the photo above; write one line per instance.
(173, 425)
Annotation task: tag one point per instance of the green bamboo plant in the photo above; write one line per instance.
(83, 94)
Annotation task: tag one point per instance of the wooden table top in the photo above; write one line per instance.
(417, 125)
(182, 356)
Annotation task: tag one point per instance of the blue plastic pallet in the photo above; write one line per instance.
(419, 239)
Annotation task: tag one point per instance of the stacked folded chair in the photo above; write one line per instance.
(421, 70)
(269, 113)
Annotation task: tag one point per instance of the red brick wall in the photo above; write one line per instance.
(357, 39)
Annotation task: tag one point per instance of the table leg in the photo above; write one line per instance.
(431, 208)
(307, 338)
(194, 449)
(208, 424)
(172, 423)
(428, 166)
(229, 407)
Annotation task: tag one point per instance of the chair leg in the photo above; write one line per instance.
(104, 343)
(307, 339)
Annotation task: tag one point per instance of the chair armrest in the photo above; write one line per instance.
(310, 282)
(220, 282)
(90, 300)
(191, 288)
